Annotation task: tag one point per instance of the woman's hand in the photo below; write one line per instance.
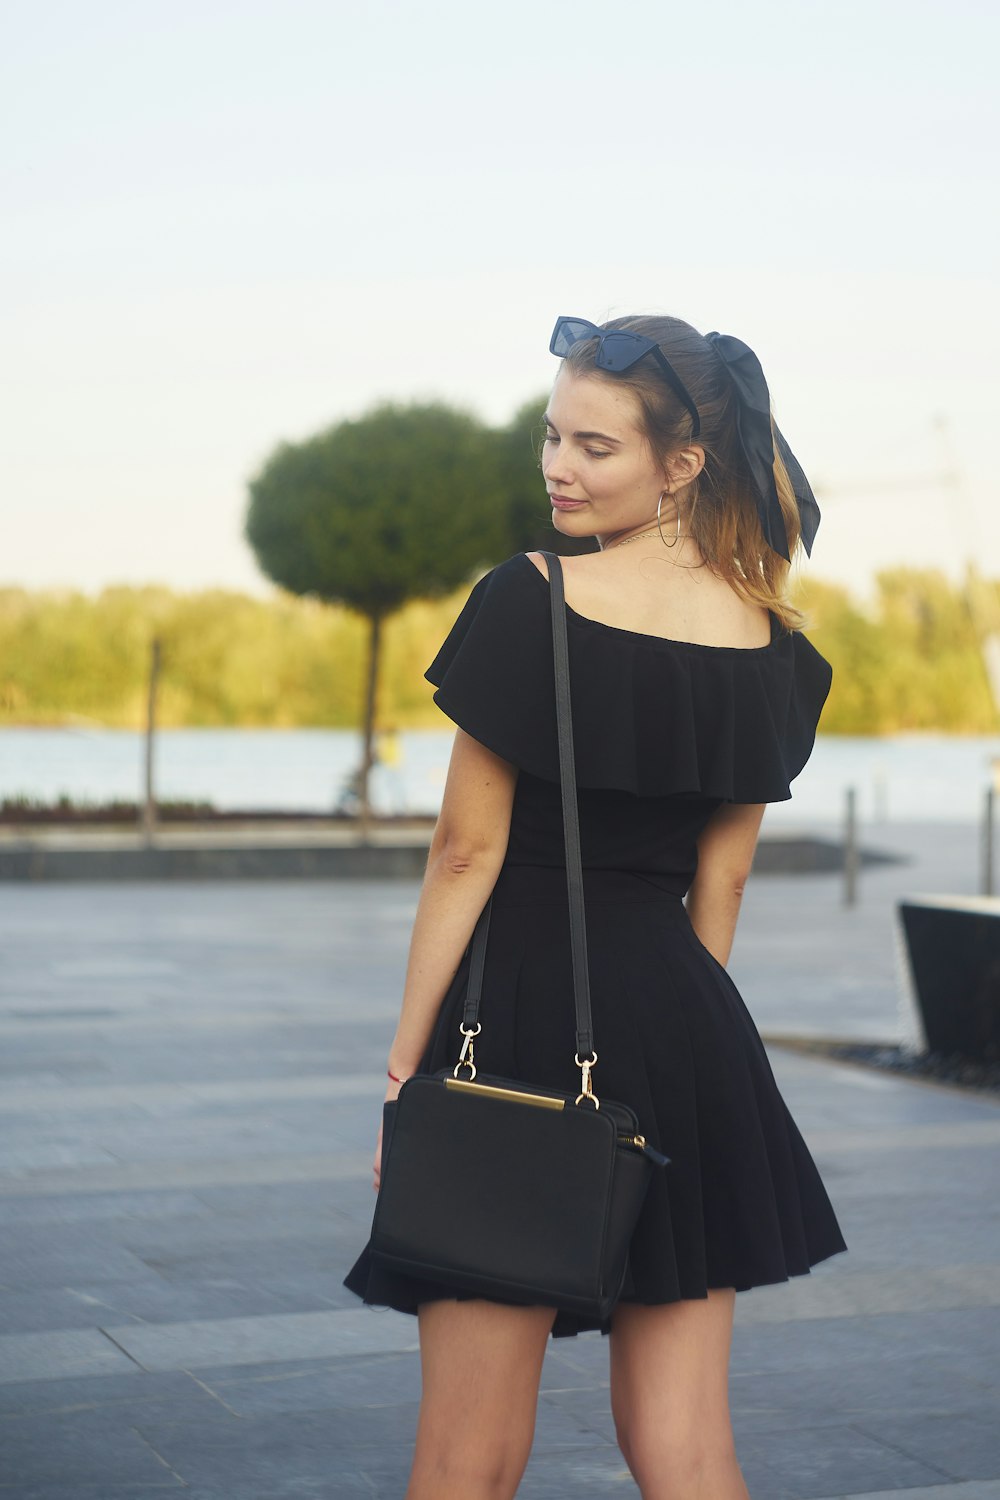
(391, 1092)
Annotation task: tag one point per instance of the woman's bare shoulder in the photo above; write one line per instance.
(570, 565)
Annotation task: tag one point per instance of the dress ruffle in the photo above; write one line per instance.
(651, 716)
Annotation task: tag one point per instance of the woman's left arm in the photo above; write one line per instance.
(725, 854)
(466, 852)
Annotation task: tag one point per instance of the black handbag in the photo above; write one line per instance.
(499, 1188)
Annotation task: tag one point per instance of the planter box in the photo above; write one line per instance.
(953, 946)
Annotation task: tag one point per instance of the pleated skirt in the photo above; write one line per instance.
(742, 1203)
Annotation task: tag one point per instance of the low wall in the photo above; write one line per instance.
(252, 857)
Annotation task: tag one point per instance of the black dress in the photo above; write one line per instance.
(664, 732)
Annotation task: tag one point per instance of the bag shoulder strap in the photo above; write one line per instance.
(571, 829)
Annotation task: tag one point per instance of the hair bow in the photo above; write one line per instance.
(753, 425)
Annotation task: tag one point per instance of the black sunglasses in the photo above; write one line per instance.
(618, 350)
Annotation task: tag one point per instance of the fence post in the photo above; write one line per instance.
(851, 849)
(986, 882)
(148, 818)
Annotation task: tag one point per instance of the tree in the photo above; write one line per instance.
(404, 502)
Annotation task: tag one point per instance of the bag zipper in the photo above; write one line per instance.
(639, 1141)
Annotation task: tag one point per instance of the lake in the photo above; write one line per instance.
(906, 777)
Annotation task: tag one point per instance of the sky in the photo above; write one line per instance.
(231, 225)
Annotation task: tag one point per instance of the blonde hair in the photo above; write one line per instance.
(722, 510)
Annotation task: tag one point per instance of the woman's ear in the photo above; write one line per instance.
(685, 465)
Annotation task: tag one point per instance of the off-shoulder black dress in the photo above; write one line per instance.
(664, 732)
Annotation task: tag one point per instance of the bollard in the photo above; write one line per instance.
(986, 882)
(147, 812)
(851, 849)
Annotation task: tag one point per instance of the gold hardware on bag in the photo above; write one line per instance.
(466, 1058)
(515, 1095)
(588, 1088)
(634, 1140)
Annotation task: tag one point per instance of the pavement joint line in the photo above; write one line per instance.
(120, 1347)
(835, 1292)
(339, 1166)
(342, 1333)
(58, 1098)
(221, 1021)
(968, 1489)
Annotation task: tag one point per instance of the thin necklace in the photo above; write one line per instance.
(681, 536)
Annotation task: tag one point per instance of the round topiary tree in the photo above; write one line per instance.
(404, 502)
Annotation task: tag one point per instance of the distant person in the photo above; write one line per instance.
(695, 703)
(389, 758)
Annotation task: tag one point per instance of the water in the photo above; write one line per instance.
(905, 777)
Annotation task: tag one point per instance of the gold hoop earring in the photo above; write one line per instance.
(660, 528)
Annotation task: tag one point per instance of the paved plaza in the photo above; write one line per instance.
(191, 1080)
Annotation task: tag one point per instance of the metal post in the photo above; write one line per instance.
(851, 849)
(987, 850)
(148, 818)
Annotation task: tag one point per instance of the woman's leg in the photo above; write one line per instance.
(670, 1397)
(481, 1364)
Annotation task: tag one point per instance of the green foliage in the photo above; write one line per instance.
(914, 662)
(373, 531)
(226, 659)
(400, 504)
(911, 663)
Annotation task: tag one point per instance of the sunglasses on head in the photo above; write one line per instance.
(618, 350)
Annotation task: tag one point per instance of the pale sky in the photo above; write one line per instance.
(226, 225)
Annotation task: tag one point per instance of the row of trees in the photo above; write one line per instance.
(910, 662)
(373, 530)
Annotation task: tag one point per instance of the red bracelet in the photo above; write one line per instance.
(394, 1078)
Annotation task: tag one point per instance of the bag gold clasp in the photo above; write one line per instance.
(585, 1064)
(467, 1057)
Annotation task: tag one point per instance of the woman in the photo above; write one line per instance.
(695, 702)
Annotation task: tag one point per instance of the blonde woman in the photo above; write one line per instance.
(695, 703)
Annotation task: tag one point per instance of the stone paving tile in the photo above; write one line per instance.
(206, 1452)
(962, 1342)
(73, 1488)
(585, 1468)
(319, 1167)
(830, 1291)
(249, 1241)
(588, 1405)
(252, 1341)
(814, 1461)
(380, 1380)
(962, 1445)
(262, 1232)
(850, 1391)
(57, 1353)
(15, 1161)
(51, 1262)
(311, 1446)
(70, 1392)
(255, 1260)
(239, 1200)
(64, 1208)
(88, 1445)
(977, 1490)
(148, 1301)
(596, 1473)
